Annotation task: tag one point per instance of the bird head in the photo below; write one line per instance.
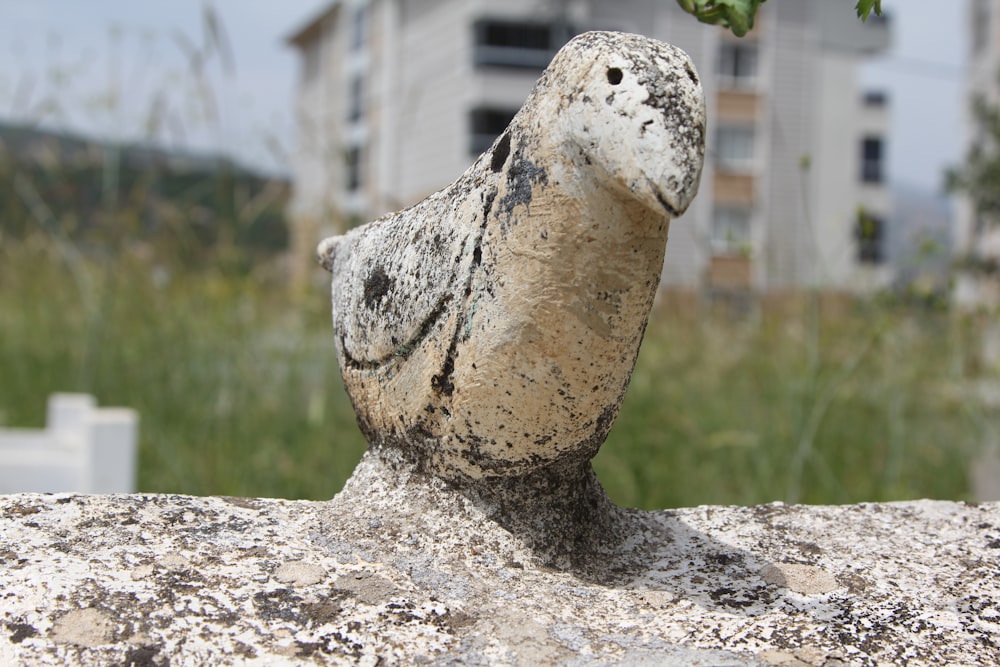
(632, 109)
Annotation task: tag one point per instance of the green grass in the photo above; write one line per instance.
(239, 393)
(848, 406)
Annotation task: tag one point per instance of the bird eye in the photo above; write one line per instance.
(614, 76)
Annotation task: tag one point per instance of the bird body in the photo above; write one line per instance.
(492, 329)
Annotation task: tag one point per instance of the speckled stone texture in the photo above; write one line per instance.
(491, 329)
(402, 569)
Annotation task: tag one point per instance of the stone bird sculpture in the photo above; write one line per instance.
(491, 329)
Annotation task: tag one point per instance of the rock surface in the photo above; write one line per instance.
(402, 569)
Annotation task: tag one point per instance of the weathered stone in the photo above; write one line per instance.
(487, 335)
(491, 329)
(411, 571)
(402, 569)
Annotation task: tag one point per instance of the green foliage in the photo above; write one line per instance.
(238, 392)
(128, 292)
(186, 209)
(238, 389)
(739, 15)
(817, 401)
(979, 176)
(865, 8)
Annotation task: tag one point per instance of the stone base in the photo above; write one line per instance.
(397, 570)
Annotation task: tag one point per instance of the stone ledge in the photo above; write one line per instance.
(163, 579)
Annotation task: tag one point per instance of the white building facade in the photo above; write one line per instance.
(398, 97)
(975, 236)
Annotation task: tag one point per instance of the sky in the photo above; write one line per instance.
(126, 70)
(130, 70)
(923, 72)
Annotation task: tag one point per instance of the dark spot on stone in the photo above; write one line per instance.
(335, 643)
(21, 631)
(244, 650)
(500, 153)
(403, 351)
(727, 597)
(666, 205)
(246, 503)
(143, 656)
(280, 604)
(809, 548)
(691, 74)
(488, 205)
(11, 557)
(455, 619)
(307, 649)
(326, 610)
(22, 510)
(605, 420)
(724, 559)
(441, 383)
(377, 285)
(418, 432)
(615, 76)
(521, 176)
(855, 583)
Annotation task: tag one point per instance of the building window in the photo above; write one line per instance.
(730, 230)
(523, 44)
(359, 28)
(872, 160)
(356, 99)
(738, 63)
(980, 25)
(734, 147)
(353, 166)
(485, 125)
(876, 99)
(870, 236)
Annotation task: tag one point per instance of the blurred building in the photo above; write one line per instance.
(919, 242)
(398, 97)
(976, 238)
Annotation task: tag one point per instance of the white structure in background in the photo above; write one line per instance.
(397, 98)
(82, 448)
(976, 238)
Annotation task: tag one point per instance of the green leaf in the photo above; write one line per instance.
(737, 15)
(865, 7)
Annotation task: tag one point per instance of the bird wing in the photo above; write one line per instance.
(400, 277)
